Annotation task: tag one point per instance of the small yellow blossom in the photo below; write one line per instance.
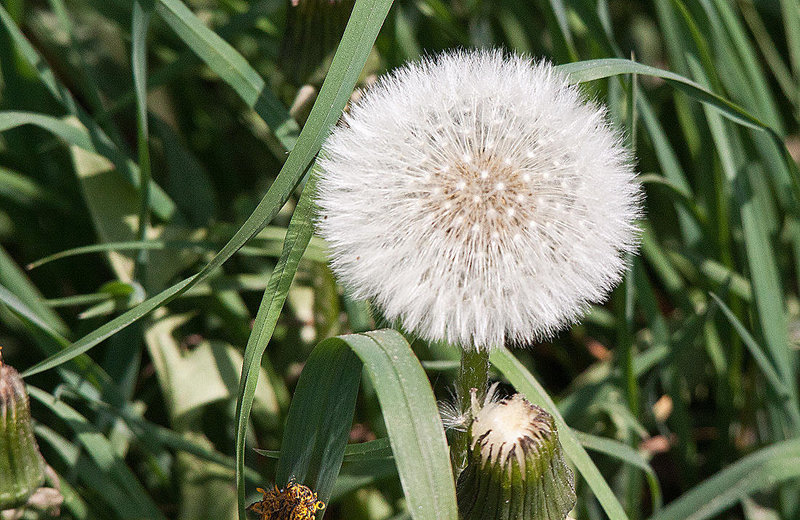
(294, 502)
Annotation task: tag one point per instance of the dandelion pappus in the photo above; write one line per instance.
(294, 502)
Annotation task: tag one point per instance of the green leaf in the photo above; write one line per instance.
(319, 419)
(359, 35)
(589, 70)
(231, 67)
(137, 501)
(409, 412)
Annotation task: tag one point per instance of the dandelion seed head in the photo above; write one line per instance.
(460, 182)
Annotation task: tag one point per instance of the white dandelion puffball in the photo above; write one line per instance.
(478, 199)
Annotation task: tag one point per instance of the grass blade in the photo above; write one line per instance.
(139, 25)
(626, 454)
(162, 204)
(412, 420)
(319, 419)
(345, 68)
(759, 471)
(297, 237)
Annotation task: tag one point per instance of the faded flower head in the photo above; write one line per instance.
(477, 198)
(294, 502)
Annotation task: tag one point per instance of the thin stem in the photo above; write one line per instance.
(474, 374)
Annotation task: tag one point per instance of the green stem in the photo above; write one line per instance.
(474, 373)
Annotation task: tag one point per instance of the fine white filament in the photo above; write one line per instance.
(478, 199)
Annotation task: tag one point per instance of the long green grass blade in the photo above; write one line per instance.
(760, 471)
(231, 67)
(347, 64)
(320, 418)
(272, 245)
(589, 70)
(297, 237)
(411, 416)
(140, 23)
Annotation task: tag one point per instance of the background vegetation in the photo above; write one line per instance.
(683, 389)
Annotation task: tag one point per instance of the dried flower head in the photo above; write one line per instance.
(477, 198)
(294, 502)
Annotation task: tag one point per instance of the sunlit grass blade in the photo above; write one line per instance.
(102, 453)
(70, 133)
(759, 471)
(319, 419)
(342, 76)
(232, 68)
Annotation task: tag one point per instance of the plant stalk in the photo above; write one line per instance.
(474, 373)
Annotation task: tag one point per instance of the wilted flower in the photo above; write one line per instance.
(294, 502)
(477, 198)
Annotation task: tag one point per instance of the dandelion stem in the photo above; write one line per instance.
(474, 373)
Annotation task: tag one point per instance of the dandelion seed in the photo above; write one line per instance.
(514, 291)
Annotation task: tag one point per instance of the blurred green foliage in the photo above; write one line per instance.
(684, 388)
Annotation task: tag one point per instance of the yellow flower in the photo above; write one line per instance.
(294, 502)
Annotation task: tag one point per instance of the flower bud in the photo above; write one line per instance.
(516, 468)
(21, 464)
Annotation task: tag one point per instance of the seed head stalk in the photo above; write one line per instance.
(474, 373)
